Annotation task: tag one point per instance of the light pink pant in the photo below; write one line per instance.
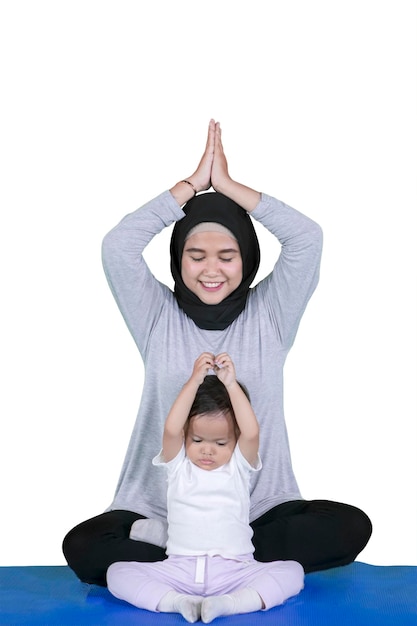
(144, 584)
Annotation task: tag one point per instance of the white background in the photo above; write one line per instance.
(104, 105)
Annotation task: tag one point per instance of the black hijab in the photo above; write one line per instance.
(214, 207)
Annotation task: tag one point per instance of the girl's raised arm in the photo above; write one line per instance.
(173, 436)
(245, 416)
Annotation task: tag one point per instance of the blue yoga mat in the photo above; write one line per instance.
(356, 595)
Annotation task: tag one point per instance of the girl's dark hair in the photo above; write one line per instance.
(212, 397)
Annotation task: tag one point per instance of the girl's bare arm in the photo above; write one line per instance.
(245, 416)
(173, 435)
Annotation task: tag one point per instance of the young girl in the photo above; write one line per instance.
(210, 450)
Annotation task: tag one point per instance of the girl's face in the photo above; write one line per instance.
(211, 266)
(210, 440)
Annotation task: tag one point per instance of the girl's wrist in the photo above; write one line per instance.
(193, 383)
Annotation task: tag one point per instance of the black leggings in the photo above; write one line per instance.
(319, 534)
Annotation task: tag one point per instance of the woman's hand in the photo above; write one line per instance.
(244, 196)
(219, 169)
(213, 171)
(201, 179)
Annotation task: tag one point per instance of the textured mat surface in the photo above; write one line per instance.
(358, 594)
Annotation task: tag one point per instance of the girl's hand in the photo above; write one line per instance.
(224, 369)
(202, 365)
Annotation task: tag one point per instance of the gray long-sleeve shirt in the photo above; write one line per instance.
(169, 342)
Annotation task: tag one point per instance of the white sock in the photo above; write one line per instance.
(188, 606)
(153, 531)
(242, 601)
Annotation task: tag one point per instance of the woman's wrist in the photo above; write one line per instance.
(188, 182)
(184, 190)
(244, 196)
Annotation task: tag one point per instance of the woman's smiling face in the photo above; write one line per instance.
(211, 266)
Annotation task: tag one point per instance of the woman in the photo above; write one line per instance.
(214, 259)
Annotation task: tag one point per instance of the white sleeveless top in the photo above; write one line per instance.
(208, 511)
